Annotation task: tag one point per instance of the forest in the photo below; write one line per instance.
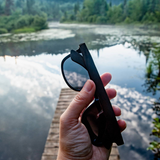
(127, 12)
(32, 15)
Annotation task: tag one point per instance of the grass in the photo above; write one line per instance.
(3, 31)
(24, 30)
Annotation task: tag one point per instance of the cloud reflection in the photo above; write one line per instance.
(28, 95)
(137, 112)
(75, 79)
(29, 92)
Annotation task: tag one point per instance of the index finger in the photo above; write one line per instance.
(106, 78)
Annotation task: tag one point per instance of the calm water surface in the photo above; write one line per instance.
(30, 83)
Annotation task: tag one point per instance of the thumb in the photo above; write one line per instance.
(81, 101)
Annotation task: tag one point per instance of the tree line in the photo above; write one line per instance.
(31, 15)
(104, 12)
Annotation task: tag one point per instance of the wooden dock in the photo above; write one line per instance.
(51, 146)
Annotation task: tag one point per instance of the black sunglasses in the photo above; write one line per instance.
(99, 117)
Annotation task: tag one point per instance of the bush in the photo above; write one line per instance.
(149, 18)
(22, 22)
(39, 23)
(62, 19)
(72, 17)
(101, 20)
(158, 16)
(92, 19)
(127, 20)
(10, 26)
(3, 31)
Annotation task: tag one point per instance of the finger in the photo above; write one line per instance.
(122, 125)
(111, 93)
(81, 101)
(106, 77)
(117, 111)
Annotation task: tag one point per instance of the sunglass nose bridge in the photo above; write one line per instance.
(78, 50)
(76, 57)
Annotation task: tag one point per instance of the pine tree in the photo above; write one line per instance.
(30, 4)
(1, 9)
(124, 7)
(8, 7)
(76, 8)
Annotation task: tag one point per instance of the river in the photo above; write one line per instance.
(30, 83)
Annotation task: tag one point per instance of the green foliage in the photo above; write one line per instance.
(149, 18)
(101, 20)
(8, 6)
(149, 70)
(87, 11)
(3, 31)
(157, 13)
(25, 23)
(154, 145)
(22, 22)
(114, 15)
(153, 71)
(40, 23)
(24, 30)
(128, 20)
(156, 130)
(129, 11)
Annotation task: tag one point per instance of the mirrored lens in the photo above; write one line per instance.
(75, 74)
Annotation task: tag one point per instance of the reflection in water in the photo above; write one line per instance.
(137, 112)
(9, 56)
(152, 82)
(28, 96)
(155, 144)
(29, 90)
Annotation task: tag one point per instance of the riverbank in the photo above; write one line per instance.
(111, 34)
(22, 24)
(152, 26)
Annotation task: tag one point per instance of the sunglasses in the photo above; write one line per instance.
(98, 117)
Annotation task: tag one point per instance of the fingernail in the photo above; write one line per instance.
(88, 86)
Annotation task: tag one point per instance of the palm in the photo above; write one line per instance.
(87, 149)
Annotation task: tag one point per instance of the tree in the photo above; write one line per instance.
(92, 9)
(76, 8)
(134, 10)
(8, 7)
(124, 7)
(30, 4)
(1, 9)
(115, 14)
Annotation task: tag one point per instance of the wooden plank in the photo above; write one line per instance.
(52, 145)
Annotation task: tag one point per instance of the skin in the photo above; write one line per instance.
(74, 140)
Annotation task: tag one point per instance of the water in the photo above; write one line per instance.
(30, 83)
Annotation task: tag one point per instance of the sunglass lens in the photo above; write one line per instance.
(75, 74)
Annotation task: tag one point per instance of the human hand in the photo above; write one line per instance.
(74, 140)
